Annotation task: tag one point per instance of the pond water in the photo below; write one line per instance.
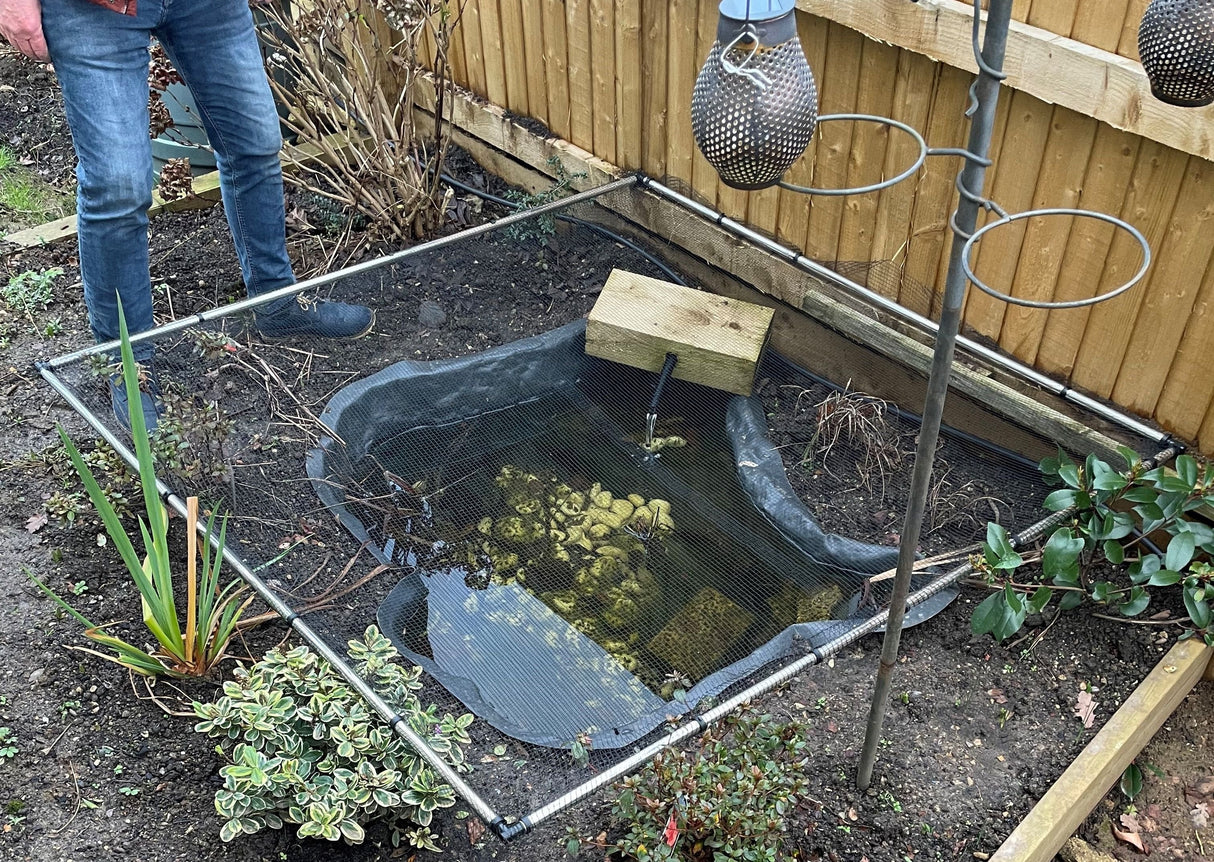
(567, 581)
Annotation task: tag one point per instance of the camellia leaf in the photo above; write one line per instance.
(1131, 781)
(1071, 600)
(988, 614)
(1039, 599)
(1061, 499)
(1198, 608)
(1129, 455)
(999, 551)
(1060, 557)
(1186, 469)
(1136, 603)
(1114, 552)
(1107, 479)
(1180, 551)
(1164, 578)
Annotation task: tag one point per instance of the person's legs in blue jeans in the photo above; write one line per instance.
(214, 46)
(101, 60)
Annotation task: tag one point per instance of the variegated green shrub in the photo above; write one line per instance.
(307, 749)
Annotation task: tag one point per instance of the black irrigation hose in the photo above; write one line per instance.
(574, 220)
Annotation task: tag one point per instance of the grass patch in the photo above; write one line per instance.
(25, 199)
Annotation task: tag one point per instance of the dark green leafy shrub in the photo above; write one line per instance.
(307, 749)
(726, 798)
(1100, 556)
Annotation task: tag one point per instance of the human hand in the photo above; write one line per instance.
(21, 24)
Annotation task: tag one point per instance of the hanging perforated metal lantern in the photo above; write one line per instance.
(1176, 45)
(755, 106)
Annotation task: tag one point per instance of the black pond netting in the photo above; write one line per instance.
(470, 481)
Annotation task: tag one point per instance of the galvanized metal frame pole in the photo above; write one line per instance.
(965, 218)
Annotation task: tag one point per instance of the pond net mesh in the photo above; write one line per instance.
(473, 483)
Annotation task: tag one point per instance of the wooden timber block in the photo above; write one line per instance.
(637, 320)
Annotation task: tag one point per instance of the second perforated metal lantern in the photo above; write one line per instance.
(1176, 45)
(755, 105)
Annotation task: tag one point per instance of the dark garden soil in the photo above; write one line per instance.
(98, 770)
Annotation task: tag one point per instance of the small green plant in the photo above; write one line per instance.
(52, 326)
(129, 791)
(30, 292)
(1131, 782)
(80, 588)
(27, 196)
(579, 750)
(191, 439)
(726, 798)
(212, 610)
(545, 226)
(69, 707)
(1099, 556)
(8, 744)
(306, 749)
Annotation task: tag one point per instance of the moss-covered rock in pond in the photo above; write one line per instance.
(819, 604)
(795, 605)
(582, 552)
(699, 634)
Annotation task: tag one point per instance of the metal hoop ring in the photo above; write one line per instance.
(967, 252)
(871, 118)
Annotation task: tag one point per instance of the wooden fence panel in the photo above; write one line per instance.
(602, 69)
(532, 49)
(474, 55)
(914, 84)
(493, 51)
(1017, 165)
(1151, 197)
(1189, 387)
(680, 77)
(866, 162)
(792, 219)
(1159, 325)
(1099, 22)
(615, 78)
(1104, 190)
(1128, 46)
(629, 84)
(832, 143)
(556, 68)
(1059, 184)
(514, 54)
(581, 81)
(654, 72)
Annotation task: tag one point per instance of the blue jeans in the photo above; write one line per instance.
(101, 60)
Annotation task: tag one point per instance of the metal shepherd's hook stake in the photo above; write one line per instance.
(972, 178)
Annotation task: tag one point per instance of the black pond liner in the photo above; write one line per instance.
(497, 647)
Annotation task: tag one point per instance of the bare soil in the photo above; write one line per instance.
(975, 733)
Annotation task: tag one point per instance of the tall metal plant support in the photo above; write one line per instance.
(970, 183)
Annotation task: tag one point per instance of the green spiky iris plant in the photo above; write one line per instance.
(213, 610)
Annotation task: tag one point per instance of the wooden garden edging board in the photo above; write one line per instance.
(1069, 800)
(204, 193)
